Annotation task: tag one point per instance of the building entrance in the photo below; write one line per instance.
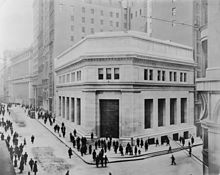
(109, 118)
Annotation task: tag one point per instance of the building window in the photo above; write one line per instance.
(151, 74)
(116, 74)
(108, 74)
(78, 75)
(111, 14)
(148, 113)
(102, 13)
(72, 18)
(72, 28)
(125, 16)
(163, 75)
(174, 76)
(145, 74)
(78, 105)
(92, 30)
(92, 20)
(117, 15)
(183, 109)
(83, 19)
(101, 22)
(63, 79)
(181, 76)
(111, 23)
(92, 11)
(140, 12)
(158, 75)
(117, 24)
(101, 30)
(72, 38)
(100, 74)
(83, 9)
(83, 29)
(171, 76)
(68, 78)
(131, 15)
(59, 105)
(72, 109)
(125, 25)
(184, 77)
(72, 76)
(136, 14)
(173, 111)
(161, 111)
(60, 79)
(174, 11)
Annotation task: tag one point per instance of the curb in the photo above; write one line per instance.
(136, 158)
(65, 143)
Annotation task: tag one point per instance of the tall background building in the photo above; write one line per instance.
(61, 24)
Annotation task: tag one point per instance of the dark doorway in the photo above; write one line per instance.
(164, 139)
(151, 141)
(109, 118)
(186, 134)
(176, 136)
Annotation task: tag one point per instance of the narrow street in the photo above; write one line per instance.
(52, 156)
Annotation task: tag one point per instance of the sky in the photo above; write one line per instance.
(16, 24)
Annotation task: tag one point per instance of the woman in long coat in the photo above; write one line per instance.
(35, 170)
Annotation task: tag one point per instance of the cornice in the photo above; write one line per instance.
(134, 58)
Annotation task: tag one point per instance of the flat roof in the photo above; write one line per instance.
(130, 42)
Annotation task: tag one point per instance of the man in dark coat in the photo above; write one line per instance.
(32, 139)
(31, 163)
(70, 153)
(173, 160)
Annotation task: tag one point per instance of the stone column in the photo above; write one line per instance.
(167, 121)
(178, 111)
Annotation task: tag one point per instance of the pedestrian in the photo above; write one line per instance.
(25, 142)
(135, 150)
(25, 158)
(106, 160)
(192, 140)
(146, 145)
(142, 143)
(35, 170)
(157, 142)
(190, 151)
(15, 163)
(32, 139)
(94, 155)
(70, 152)
(21, 167)
(92, 136)
(67, 173)
(31, 163)
(173, 160)
(169, 150)
(97, 161)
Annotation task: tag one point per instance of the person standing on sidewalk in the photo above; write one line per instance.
(32, 139)
(35, 170)
(70, 152)
(31, 163)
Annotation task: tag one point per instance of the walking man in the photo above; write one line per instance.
(31, 163)
(173, 160)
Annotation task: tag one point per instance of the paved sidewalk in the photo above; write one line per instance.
(114, 158)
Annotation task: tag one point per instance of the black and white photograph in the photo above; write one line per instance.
(109, 87)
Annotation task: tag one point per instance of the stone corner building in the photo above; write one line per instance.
(124, 85)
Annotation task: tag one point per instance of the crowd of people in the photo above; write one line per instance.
(15, 146)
